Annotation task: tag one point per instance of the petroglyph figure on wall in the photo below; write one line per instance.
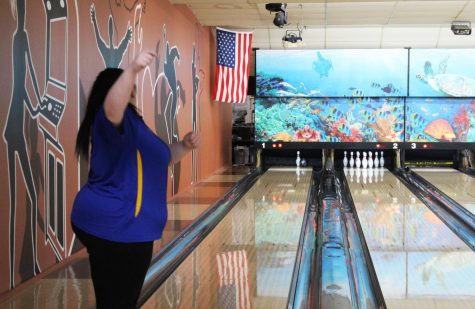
(14, 135)
(111, 55)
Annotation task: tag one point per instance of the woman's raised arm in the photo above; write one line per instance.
(119, 95)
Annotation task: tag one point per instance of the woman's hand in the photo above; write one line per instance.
(191, 140)
(142, 60)
(178, 150)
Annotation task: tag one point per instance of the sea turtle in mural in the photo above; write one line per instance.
(322, 65)
(451, 84)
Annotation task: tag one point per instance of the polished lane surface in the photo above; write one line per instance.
(458, 186)
(247, 260)
(68, 284)
(419, 261)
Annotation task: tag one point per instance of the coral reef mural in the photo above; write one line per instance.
(329, 120)
(440, 120)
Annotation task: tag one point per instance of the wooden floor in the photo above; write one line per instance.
(419, 262)
(457, 185)
(68, 284)
(247, 260)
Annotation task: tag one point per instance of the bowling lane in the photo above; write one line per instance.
(457, 185)
(247, 260)
(419, 262)
(68, 285)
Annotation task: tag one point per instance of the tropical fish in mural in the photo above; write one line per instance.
(415, 124)
(389, 88)
(451, 84)
(367, 116)
(440, 129)
(322, 65)
(356, 92)
(416, 119)
(334, 113)
(386, 108)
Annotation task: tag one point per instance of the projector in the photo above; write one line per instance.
(292, 37)
(461, 27)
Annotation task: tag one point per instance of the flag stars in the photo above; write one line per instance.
(226, 45)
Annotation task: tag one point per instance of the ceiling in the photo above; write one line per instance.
(344, 23)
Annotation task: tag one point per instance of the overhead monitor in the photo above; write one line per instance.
(329, 120)
(442, 73)
(332, 73)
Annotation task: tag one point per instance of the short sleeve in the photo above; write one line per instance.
(108, 130)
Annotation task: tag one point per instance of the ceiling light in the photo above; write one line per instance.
(461, 27)
(280, 19)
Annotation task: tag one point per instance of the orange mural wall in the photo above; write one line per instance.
(51, 53)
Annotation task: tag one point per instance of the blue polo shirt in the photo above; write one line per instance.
(125, 196)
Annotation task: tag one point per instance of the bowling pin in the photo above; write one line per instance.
(352, 161)
(345, 160)
(381, 160)
(297, 161)
(358, 161)
(370, 159)
(376, 161)
(365, 161)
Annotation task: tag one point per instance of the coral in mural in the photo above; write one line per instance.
(329, 120)
(306, 134)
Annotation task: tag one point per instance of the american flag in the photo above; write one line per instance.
(233, 289)
(232, 66)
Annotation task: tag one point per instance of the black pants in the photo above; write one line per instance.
(118, 269)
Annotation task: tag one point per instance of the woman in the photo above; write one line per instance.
(122, 208)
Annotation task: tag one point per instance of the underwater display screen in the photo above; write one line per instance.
(332, 73)
(442, 73)
(440, 120)
(329, 119)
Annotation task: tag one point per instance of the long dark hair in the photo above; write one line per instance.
(100, 88)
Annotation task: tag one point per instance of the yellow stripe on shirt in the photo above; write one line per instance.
(138, 203)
